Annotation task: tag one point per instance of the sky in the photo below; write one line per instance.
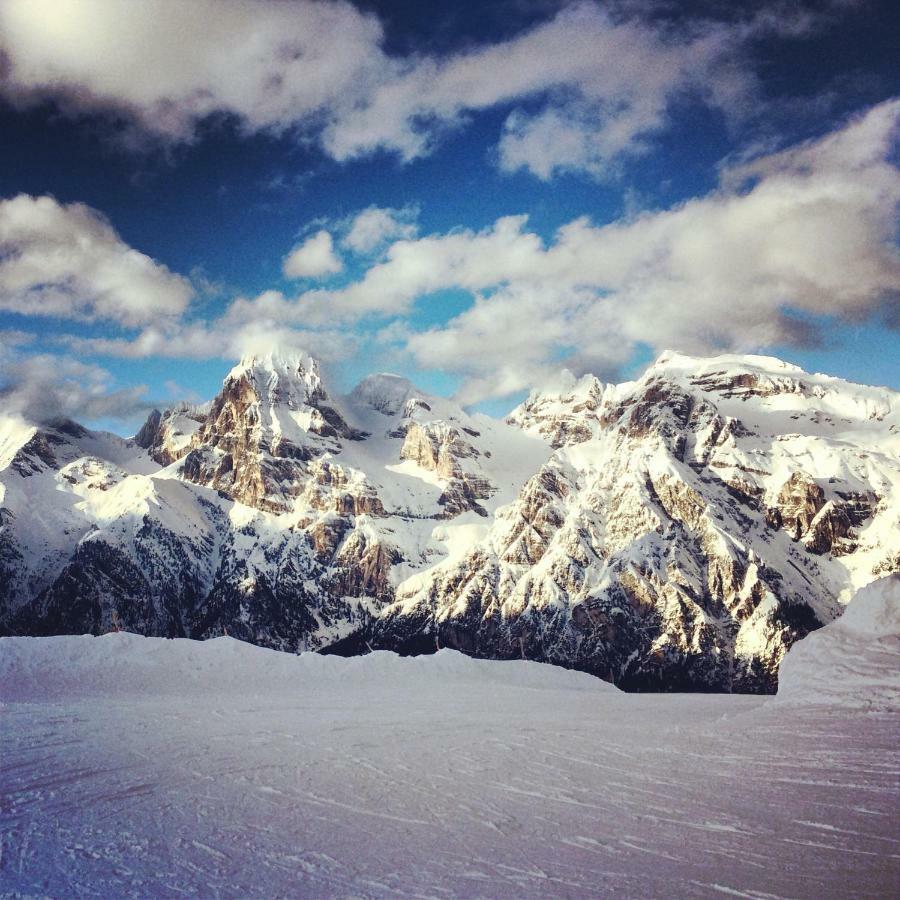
(475, 195)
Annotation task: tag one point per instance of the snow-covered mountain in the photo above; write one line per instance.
(679, 531)
(686, 530)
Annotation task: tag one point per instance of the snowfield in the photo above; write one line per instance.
(135, 767)
(854, 661)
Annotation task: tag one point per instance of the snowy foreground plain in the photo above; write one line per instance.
(143, 767)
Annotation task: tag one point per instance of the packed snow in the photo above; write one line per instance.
(852, 661)
(144, 767)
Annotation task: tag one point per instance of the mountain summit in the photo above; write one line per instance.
(676, 532)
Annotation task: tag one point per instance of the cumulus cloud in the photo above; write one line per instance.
(68, 261)
(585, 86)
(166, 64)
(371, 229)
(519, 337)
(787, 237)
(313, 258)
(548, 142)
(812, 230)
(412, 268)
(45, 387)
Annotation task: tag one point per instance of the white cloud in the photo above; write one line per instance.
(374, 227)
(619, 75)
(46, 387)
(517, 337)
(68, 261)
(167, 64)
(466, 259)
(586, 87)
(313, 258)
(812, 230)
(546, 143)
(247, 325)
(12, 338)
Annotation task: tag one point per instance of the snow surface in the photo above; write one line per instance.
(853, 661)
(136, 767)
(15, 432)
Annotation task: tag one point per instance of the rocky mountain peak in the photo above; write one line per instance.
(388, 394)
(565, 413)
(166, 436)
(398, 398)
(674, 362)
(271, 418)
(735, 375)
(148, 433)
(293, 378)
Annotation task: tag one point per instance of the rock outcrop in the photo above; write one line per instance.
(167, 436)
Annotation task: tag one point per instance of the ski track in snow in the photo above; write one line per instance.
(447, 783)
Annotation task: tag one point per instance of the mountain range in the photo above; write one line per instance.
(676, 532)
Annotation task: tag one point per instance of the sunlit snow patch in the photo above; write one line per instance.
(854, 661)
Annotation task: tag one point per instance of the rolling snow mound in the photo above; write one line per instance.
(854, 660)
(122, 664)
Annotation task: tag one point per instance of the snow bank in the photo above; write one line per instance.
(54, 668)
(854, 660)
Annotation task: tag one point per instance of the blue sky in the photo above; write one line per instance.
(731, 176)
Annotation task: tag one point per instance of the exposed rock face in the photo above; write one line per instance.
(821, 526)
(272, 417)
(797, 504)
(677, 532)
(167, 436)
(439, 447)
(570, 417)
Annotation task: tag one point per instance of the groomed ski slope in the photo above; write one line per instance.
(136, 767)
